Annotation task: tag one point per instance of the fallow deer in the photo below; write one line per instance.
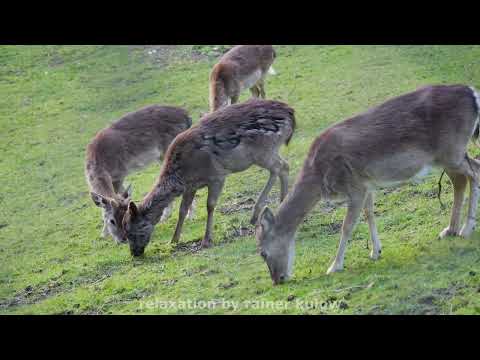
(130, 144)
(387, 145)
(243, 67)
(227, 141)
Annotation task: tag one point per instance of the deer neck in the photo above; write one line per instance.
(293, 210)
(165, 191)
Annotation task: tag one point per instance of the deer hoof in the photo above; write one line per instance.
(206, 244)
(334, 268)
(375, 255)
(467, 230)
(447, 232)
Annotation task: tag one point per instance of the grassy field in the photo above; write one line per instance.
(53, 99)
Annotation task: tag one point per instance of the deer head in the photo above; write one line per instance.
(114, 210)
(138, 229)
(278, 250)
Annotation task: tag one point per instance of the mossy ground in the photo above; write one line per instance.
(53, 99)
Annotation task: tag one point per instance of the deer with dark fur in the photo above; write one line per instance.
(227, 141)
(130, 144)
(243, 67)
(387, 145)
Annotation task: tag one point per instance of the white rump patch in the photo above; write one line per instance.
(477, 99)
(476, 95)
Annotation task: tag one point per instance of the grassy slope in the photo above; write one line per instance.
(54, 99)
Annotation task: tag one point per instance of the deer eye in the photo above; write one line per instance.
(263, 254)
(112, 222)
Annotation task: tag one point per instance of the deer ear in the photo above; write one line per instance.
(101, 201)
(133, 210)
(127, 194)
(267, 219)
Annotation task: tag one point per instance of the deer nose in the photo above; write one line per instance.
(281, 279)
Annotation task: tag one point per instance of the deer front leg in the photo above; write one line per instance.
(184, 206)
(355, 207)
(105, 233)
(278, 167)
(167, 212)
(283, 174)
(263, 197)
(261, 88)
(214, 191)
(369, 214)
(459, 182)
(191, 211)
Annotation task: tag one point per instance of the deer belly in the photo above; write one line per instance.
(399, 178)
(145, 159)
(249, 81)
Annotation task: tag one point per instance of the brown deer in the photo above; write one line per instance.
(130, 144)
(243, 67)
(387, 145)
(224, 142)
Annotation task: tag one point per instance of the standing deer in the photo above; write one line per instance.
(130, 144)
(228, 141)
(387, 145)
(243, 67)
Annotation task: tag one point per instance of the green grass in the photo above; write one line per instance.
(53, 99)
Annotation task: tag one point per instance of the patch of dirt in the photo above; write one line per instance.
(190, 247)
(332, 228)
(247, 204)
(163, 55)
(238, 232)
(31, 295)
(55, 61)
(427, 300)
(228, 285)
(433, 302)
(170, 282)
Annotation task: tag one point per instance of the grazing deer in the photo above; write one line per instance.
(385, 146)
(130, 144)
(243, 67)
(228, 141)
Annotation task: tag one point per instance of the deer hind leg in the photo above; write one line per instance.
(255, 90)
(474, 169)
(261, 88)
(370, 215)
(214, 191)
(234, 94)
(355, 206)
(278, 168)
(184, 206)
(471, 169)
(234, 98)
(459, 182)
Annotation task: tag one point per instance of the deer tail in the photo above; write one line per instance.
(476, 132)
